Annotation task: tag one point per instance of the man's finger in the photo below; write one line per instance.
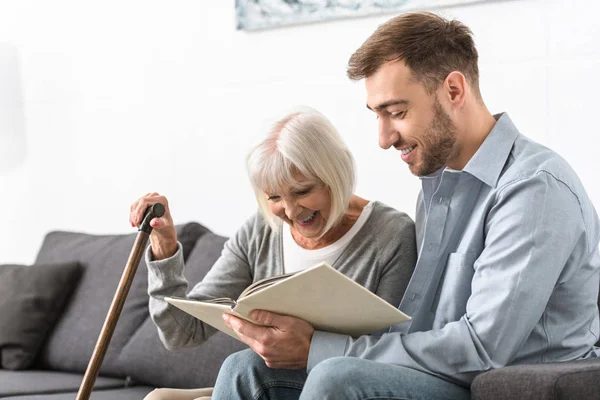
(240, 326)
(244, 328)
(270, 319)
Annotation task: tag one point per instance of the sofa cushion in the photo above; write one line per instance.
(103, 258)
(31, 299)
(568, 380)
(146, 360)
(15, 383)
(132, 393)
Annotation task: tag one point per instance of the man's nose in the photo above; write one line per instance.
(387, 133)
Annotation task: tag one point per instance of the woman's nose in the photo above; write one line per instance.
(291, 209)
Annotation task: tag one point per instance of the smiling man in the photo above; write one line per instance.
(508, 243)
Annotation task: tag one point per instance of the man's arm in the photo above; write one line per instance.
(283, 344)
(531, 232)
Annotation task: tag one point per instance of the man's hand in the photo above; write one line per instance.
(284, 343)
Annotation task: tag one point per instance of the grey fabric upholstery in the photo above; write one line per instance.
(38, 292)
(134, 393)
(185, 368)
(103, 258)
(135, 349)
(13, 383)
(577, 380)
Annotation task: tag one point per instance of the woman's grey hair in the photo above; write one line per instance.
(306, 142)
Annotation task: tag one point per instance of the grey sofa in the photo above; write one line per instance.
(136, 361)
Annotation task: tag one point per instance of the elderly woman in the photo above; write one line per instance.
(303, 178)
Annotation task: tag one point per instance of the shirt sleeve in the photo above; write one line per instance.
(530, 233)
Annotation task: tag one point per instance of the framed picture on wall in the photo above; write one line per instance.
(263, 14)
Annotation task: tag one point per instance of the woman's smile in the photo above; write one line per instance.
(308, 220)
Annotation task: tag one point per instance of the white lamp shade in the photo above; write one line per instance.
(12, 124)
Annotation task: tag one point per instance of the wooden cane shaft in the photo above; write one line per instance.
(110, 322)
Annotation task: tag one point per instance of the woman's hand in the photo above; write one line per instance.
(163, 238)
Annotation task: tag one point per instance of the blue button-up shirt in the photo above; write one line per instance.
(508, 269)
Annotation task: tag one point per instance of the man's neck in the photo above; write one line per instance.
(475, 127)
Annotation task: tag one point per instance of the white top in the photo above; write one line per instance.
(296, 258)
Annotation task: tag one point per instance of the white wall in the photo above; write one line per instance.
(125, 97)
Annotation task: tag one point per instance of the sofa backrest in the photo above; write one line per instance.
(103, 257)
(146, 360)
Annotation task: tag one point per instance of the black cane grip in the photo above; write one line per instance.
(155, 211)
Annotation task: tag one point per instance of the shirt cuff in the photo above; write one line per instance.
(325, 345)
(167, 267)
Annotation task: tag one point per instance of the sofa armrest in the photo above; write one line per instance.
(569, 380)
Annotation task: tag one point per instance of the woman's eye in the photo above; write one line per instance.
(303, 192)
(273, 198)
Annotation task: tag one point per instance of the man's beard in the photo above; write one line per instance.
(438, 144)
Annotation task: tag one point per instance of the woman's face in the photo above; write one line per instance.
(305, 206)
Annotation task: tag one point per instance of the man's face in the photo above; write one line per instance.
(410, 119)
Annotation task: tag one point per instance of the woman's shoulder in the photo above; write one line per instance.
(386, 224)
(384, 215)
(385, 231)
(254, 227)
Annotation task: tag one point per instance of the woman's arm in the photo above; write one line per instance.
(228, 277)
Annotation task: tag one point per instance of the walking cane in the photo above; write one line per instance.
(85, 390)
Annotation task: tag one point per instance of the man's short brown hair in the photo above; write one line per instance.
(430, 45)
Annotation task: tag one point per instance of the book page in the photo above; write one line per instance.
(321, 295)
(328, 300)
(210, 313)
(263, 283)
(220, 300)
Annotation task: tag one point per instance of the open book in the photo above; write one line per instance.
(320, 295)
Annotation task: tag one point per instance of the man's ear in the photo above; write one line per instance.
(455, 89)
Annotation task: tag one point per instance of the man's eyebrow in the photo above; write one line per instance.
(388, 103)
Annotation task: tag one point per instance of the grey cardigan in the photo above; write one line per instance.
(381, 257)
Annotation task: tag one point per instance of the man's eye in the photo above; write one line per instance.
(398, 114)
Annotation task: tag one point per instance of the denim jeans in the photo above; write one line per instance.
(244, 375)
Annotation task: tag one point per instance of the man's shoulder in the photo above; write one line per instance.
(531, 160)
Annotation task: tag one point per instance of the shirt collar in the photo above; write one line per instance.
(489, 160)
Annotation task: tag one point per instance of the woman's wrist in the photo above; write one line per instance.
(163, 249)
